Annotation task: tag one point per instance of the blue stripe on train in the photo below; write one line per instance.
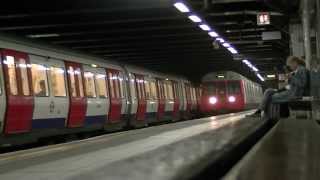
(60, 122)
(91, 120)
(48, 123)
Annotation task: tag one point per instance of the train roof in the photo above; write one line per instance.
(224, 75)
(57, 52)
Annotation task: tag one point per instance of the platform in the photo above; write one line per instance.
(290, 151)
(170, 151)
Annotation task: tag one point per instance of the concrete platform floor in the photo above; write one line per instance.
(290, 151)
(170, 151)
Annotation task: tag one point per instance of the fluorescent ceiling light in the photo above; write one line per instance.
(220, 40)
(254, 69)
(213, 34)
(260, 77)
(181, 7)
(194, 18)
(232, 50)
(220, 76)
(205, 27)
(42, 35)
(245, 61)
(226, 45)
(271, 76)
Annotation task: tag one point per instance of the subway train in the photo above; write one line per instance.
(47, 91)
(228, 91)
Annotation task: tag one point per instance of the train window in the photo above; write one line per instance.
(78, 74)
(153, 90)
(147, 87)
(121, 82)
(116, 85)
(166, 93)
(24, 77)
(12, 75)
(101, 85)
(58, 82)
(112, 94)
(233, 87)
(89, 84)
(170, 90)
(39, 80)
(72, 82)
(132, 87)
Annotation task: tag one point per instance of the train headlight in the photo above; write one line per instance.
(213, 100)
(232, 99)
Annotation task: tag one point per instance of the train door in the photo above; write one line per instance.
(50, 97)
(97, 99)
(19, 92)
(183, 97)
(115, 98)
(161, 99)
(78, 101)
(140, 86)
(176, 100)
(169, 100)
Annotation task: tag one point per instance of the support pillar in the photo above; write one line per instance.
(306, 31)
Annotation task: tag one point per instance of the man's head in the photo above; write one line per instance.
(42, 85)
(294, 62)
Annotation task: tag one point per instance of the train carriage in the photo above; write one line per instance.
(47, 91)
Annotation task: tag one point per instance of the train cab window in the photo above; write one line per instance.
(12, 75)
(233, 87)
(90, 84)
(24, 77)
(58, 82)
(101, 85)
(39, 80)
(78, 74)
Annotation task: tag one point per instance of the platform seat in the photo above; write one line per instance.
(302, 103)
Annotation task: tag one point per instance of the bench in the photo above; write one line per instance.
(275, 111)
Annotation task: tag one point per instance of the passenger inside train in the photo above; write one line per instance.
(297, 86)
(42, 89)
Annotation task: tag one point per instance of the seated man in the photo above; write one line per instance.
(297, 83)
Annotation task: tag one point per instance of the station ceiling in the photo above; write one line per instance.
(153, 34)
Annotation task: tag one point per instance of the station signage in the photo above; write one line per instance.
(263, 18)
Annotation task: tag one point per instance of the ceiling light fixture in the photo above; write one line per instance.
(181, 7)
(232, 50)
(213, 34)
(204, 27)
(260, 77)
(194, 18)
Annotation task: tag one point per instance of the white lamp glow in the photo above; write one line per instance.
(213, 34)
(204, 27)
(181, 7)
(195, 18)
